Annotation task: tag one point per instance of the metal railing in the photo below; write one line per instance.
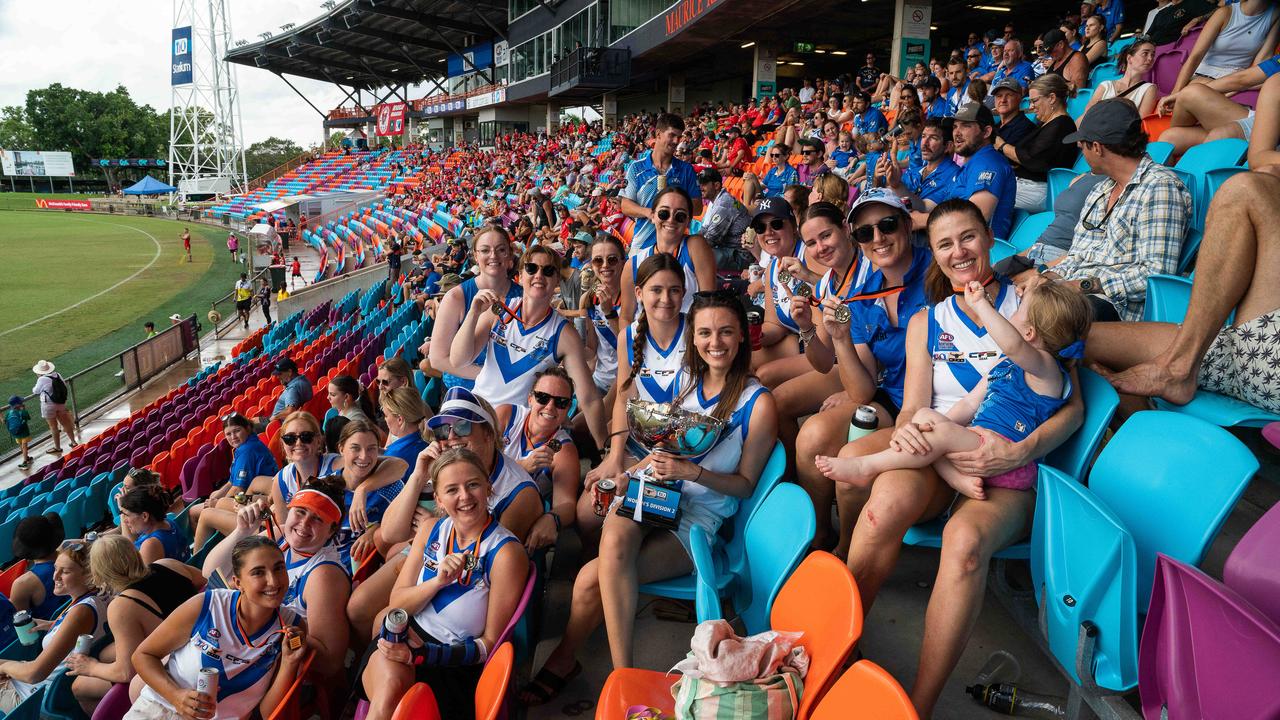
(225, 306)
(90, 389)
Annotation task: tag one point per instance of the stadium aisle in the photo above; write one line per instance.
(211, 350)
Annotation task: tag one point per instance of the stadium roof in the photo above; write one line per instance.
(369, 44)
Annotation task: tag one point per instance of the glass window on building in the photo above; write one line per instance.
(627, 15)
(516, 8)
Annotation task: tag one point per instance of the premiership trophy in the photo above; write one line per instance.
(666, 428)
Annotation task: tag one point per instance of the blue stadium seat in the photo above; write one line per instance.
(1172, 496)
(1084, 572)
(1077, 104)
(1001, 250)
(7, 529)
(777, 539)
(730, 557)
(1167, 298)
(1100, 402)
(1029, 231)
(1199, 160)
(1104, 72)
(1190, 249)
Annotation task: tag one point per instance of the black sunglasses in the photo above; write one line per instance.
(775, 155)
(459, 428)
(608, 260)
(291, 439)
(886, 225)
(543, 398)
(681, 216)
(774, 224)
(808, 152)
(535, 268)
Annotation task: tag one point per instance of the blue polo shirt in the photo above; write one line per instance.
(295, 394)
(1023, 72)
(1112, 14)
(989, 170)
(938, 108)
(871, 121)
(250, 460)
(937, 186)
(843, 157)
(775, 182)
(642, 188)
(407, 449)
(869, 322)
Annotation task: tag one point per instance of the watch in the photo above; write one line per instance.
(1088, 286)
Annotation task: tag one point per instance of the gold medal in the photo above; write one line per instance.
(553, 445)
(842, 314)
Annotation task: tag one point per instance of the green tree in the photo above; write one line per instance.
(94, 125)
(266, 155)
(335, 139)
(16, 132)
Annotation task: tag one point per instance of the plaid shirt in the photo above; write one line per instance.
(1141, 235)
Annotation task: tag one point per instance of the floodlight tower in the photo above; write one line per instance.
(206, 148)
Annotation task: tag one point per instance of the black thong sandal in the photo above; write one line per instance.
(546, 685)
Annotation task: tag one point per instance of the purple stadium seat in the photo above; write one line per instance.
(1206, 652)
(1167, 66)
(1252, 569)
(212, 469)
(139, 459)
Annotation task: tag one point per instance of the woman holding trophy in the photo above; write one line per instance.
(719, 404)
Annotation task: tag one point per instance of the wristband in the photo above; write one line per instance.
(467, 652)
(554, 518)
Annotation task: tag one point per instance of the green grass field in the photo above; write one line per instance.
(76, 288)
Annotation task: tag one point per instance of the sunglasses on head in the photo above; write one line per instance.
(680, 215)
(886, 225)
(458, 428)
(607, 261)
(543, 398)
(74, 544)
(535, 268)
(291, 439)
(774, 224)
(228, 416)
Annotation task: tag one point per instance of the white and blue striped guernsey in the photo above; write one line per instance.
(515, 353)
(97, 603)
(656, 379)
(300, 567)
(287, 478)
(245, 664)
(606, 370)
(962, 351)
(850, 284)
(516, 445)
(458, 612)
(781, 300)
(507, 479)
(686, 261)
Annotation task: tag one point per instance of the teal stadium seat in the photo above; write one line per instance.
(1030, 231)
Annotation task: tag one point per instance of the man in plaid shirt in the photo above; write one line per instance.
(1134, 221)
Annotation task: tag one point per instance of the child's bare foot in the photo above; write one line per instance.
(969, 486)
(851, 471)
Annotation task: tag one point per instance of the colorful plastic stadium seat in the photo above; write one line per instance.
(419, 703)
(865, 691)
(491, 691)
(1206, 652)
(1251, 569)
(1029, 231)
(820, 600)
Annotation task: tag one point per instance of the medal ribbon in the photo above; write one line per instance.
(471, 558)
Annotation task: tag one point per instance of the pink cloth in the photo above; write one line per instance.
(1023, 478)
(719, 655)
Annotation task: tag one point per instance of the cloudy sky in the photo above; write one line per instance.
(95, 45)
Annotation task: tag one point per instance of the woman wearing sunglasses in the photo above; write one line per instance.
(466, 421)
(461, 585)
(319, 585)
(715, 380)
(603, 307)
(491, 252)
(867, 351)
(947, 353)
(672, 213)
(527, 437)
(780, 174)
(85, 615)
(248, 623)
(250, 460)
(526, 337)
(775, 226)
(145, 593)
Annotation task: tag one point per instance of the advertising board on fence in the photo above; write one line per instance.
(390, 118)
(36, 163)
(44, 204)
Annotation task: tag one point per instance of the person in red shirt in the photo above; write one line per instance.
(737, 154)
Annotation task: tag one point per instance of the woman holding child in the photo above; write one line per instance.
(950, 349)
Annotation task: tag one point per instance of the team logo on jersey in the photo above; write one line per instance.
(986, 176)
(984, 355)
(1020, 426)
(215, 633)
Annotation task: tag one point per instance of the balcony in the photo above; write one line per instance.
(587, 72)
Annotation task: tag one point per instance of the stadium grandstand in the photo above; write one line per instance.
(939, 339)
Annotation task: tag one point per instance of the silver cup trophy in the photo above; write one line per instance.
(670, 429)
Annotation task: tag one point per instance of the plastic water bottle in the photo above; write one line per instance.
(864, 422)
(1000, 667)
(1007, 699)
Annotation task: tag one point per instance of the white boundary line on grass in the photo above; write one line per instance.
(96, 295)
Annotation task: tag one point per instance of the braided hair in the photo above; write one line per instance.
(654, 264)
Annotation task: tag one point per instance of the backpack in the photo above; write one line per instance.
(58, 393)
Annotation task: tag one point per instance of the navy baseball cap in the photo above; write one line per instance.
(775, 206)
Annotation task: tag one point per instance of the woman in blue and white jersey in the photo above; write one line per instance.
(461, 585)
(716, 381)
(775, 226)
(672, 214)
(491, 250)
(465, 420)
(255, 643)
(948, 352)
(536, 437)
(528, 337)
(603, 309)
(85, 615)
(319, 582)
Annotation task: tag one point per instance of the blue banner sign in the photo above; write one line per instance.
(180, 64)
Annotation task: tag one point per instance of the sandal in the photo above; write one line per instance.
(546, 685)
